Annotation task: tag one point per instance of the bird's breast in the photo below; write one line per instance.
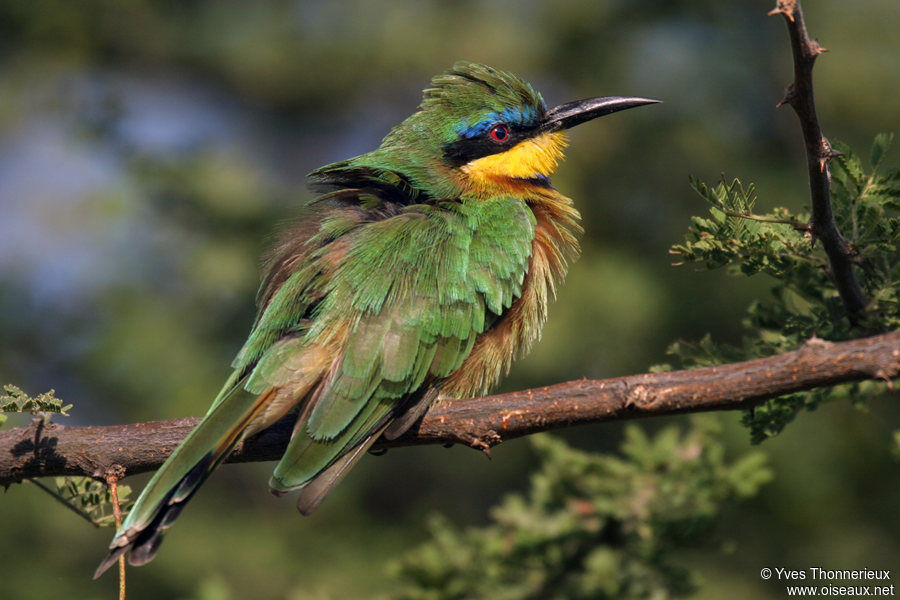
(554, 246)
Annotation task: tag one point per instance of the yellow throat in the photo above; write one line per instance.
(511, 170)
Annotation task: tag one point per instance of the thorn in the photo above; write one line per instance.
(815, 49)
(784, 7)
(810, 233)
(790, 95)
(828, 153)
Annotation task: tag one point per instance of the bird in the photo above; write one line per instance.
(425, 268)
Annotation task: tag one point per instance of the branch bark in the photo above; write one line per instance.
(479, 422)
(799, 94)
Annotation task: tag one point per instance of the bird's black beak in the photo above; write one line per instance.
(571, 114)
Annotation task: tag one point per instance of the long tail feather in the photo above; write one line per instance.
(314, 492)
(415, 409)
(175, 483)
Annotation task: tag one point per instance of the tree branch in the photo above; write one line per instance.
(799, 94)
(485, 422)
(479, 422)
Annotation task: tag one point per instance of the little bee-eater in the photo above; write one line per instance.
(426, 269)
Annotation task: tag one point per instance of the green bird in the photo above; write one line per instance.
(426, 269)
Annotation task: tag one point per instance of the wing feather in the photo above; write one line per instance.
(412, 294)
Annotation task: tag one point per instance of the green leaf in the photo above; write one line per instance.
(88, 497)
(881, 146)
(803, 301)
(15, 400)
(590, 525)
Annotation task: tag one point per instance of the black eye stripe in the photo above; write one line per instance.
(465, 150)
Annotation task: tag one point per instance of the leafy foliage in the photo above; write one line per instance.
(867, 205)
(88, 497)
(804, 302)
(14, 400)
(591, 525)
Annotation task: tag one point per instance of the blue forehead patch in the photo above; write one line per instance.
(519, 115)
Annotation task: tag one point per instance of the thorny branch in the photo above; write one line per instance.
(480, 422)
(799, 94)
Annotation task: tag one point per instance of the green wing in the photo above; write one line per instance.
(409, 296)
(360, 324)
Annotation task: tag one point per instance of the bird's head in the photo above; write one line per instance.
(481, 131)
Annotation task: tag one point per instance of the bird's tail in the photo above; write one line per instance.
(164, 497)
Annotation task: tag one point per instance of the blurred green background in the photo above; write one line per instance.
(147, 150)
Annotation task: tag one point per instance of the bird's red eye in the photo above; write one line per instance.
(500, 133)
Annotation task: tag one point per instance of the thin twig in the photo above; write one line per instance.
(113, 474)
(841, 255)
(482, 422)
(764, 219)
(59, 499)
